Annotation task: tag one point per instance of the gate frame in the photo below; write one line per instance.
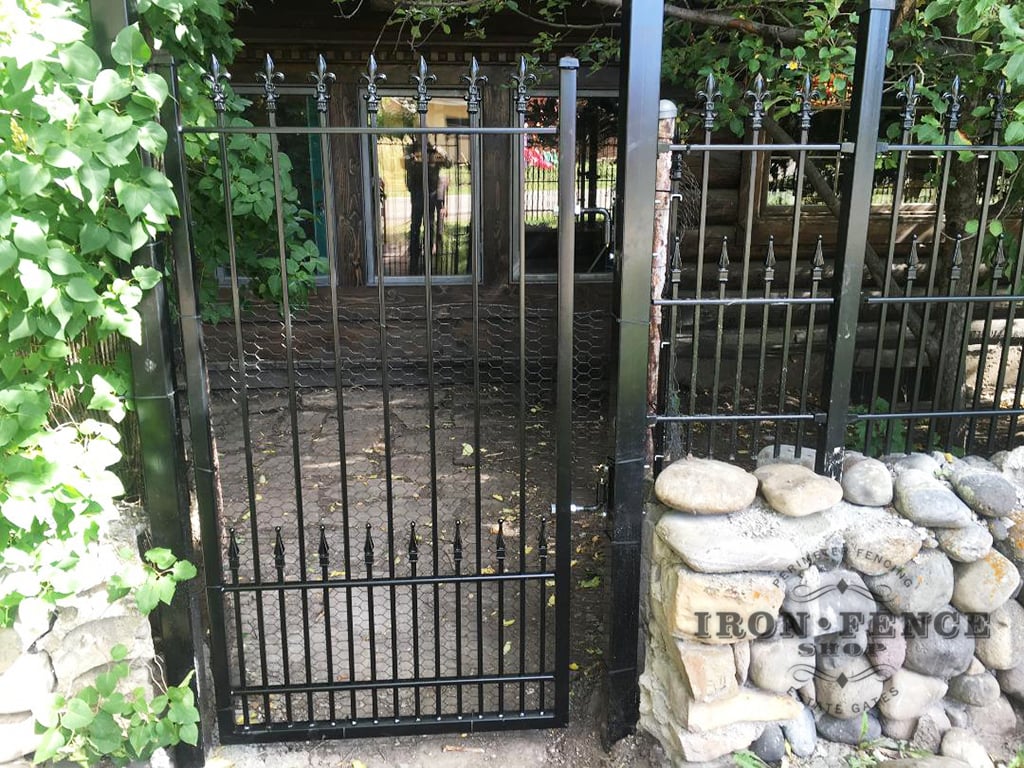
(204, 463)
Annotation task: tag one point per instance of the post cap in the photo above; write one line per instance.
(667, 110)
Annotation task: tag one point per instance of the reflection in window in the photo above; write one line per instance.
(597, 133)
(828, 126)
(404, 205)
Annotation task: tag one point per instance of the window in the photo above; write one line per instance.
(402, 207)
(830, 125)
(597, 142)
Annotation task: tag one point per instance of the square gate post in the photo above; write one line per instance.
(854, 213)
(639, 93)
(165, 493)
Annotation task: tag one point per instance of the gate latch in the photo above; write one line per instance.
(600, 495)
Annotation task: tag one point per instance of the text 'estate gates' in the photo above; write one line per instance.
(375, 500)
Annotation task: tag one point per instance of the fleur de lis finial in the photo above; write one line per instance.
(709, 95)
(372, 77)
(909, 96)
(806, 93)
(954, 103)
(474, 80)
(757, 96)
(423, 78)
(322, 80)
(270, 77)
(216, 79)
(998, 100)
(957, 261)
(522, 79)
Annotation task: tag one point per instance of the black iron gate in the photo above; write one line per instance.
(383, 475)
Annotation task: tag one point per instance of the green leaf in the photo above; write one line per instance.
(119, 652)
(106, 682)
(147, 598)
(189, 733)
(105, 733)
(161, 557)
(995, 228)
(8, 255)
(81, 289)
(34, 280)
(971, 227)
(110, 86)
(147, 277)
(153, 138)
(62, 157)
(937, 10)
(93, 237)
(130, 47)
(61, 262)
(104, 398)
(80, 61)
(49, 744)
(133, 197)
(183, 570)
(153, 86)
(30, 237)
(139, 740)
(33, 179)
(78, 715)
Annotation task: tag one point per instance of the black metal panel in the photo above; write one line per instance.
(383, 514)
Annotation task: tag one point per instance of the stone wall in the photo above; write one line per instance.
(783, 607)
(49, 651)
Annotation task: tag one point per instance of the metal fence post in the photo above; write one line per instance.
(639, 92)
(166, 495)
(855, 211)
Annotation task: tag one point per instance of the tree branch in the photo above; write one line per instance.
(784, 35)
(876, 264)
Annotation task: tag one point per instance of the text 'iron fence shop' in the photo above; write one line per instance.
(381, 550)
(786, 329)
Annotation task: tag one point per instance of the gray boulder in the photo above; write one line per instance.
(925, 584)
(944, 648)
(868, 483)
(921, 498)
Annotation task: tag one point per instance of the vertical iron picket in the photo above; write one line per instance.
(909, 96)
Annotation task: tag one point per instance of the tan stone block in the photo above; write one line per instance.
(748, 706)
(709, 670)
(698, 606)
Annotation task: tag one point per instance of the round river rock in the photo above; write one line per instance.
(705, 487)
